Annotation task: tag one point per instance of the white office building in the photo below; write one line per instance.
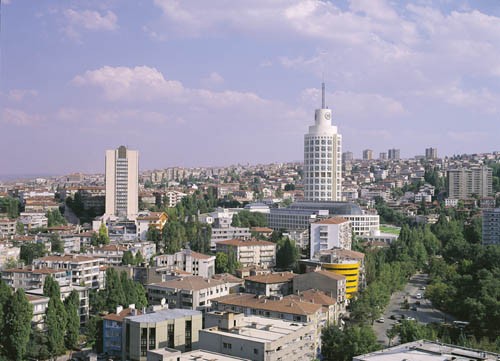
(122, 182)
(323, 158)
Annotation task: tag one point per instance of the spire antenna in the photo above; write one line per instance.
(323, 95)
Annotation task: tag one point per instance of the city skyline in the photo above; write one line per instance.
(77, 78)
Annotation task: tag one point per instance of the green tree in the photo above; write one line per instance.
(55, 218)
(71, 305)
(5, 296)
(343, 345)
(235, 222)
(93, 331)
(103, 234)
(139, 259)
(232, 262)
(221, 263)
(56, 243)
(287, 255)
(128, 258)
(18, 315)
(114, 295)
(55, 321)
(30, 251)
(412, 331)
(10, 206)
(20, 228)
(51, 288)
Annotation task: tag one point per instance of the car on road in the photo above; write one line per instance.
(413, 308)
(419, 296)
(409, 318)
(381, 320)
(422, 288)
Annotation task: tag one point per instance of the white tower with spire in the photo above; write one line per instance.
(323, 157)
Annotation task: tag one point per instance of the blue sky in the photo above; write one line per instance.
(200, 83)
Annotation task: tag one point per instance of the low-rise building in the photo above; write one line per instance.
(198, 264)
(333, 284)
(173, 328)
(168, 354)
(192, 293)
(343, 262)
(250, 252)
(262, 339)
(428, 351)
(272, 284)
(148, 220)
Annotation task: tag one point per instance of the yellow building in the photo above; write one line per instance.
(343, 262)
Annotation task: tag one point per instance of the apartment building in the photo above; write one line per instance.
(172, 198)
(227, 233)
(83, 270)
(29, 278)
(32, 220)
(40, 304)
(261, 339)
(329, 233)
(7, 227)
(173, 328)
(83, 299)
(197, 264)
(463, 183)
(272, 284)
(112, 336)
(491, 226)
(8, 253)
(191, 293)
(250, 252)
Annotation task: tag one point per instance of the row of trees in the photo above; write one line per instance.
(387, 271)
(249, 219)
(120, 290)
(465, 277)
(15, 323)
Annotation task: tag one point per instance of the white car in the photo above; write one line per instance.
(409, 318)
(381, 320)
(419, 296)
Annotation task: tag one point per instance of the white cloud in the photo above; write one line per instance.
(17, 95)
(92, 20)
(143, 83)
(214, 79)
(20, 118)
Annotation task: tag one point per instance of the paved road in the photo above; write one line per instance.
(425, 313)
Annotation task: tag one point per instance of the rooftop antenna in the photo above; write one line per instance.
(323, 95)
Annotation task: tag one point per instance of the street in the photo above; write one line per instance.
(425, 312)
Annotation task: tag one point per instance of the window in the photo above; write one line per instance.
(188, 335)
(227, 346)
(255, 351)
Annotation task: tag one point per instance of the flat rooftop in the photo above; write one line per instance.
(163, 315)
(197, 355)
(423, 350)
(260, 329)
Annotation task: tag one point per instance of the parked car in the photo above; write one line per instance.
(419, 296)
(381, 320)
